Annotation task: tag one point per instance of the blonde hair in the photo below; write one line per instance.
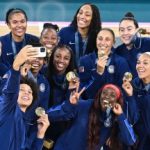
(145, 53)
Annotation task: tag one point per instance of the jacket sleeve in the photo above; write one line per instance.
(8, 100)
(12, 84)
(37, 144)
(65, 111)
(32, 142)
(126, 134)
(3, 69)
(89, 78)
(62, 36)
(131, 109)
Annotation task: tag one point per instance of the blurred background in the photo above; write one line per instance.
(62, 12)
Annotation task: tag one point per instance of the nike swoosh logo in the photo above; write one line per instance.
(9, 54)
(71, 43)
(139, 95)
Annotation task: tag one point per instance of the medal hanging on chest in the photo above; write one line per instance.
(108, 122)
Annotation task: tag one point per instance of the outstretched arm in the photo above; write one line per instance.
(67, 109)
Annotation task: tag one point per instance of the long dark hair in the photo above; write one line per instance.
(94, 127)
(51, 69)
(94, 27)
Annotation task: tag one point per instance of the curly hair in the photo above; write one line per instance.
(33, 85)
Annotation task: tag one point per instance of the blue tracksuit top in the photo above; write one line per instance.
(44, 92)
(114, 72)
(59, 89)
(75, 138)
(43, 84)
(142, 96)
(59, 93)
(7, 56)
(89, 78)
(69, 36)
(3, 69)
(131, 55)
(14, 126)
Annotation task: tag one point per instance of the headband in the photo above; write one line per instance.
(115, 88)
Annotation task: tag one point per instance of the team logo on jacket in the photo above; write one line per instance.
(111, 69)
(42, 87)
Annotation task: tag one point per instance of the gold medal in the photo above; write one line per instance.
(128, 76)
(101, 53)
(70, 75)
(48, 143)
(40, 111)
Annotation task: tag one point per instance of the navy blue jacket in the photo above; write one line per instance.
(142, 96)
(14, 125)
(7, 56)
(67, 36)
(114, 72)
(131, 55)
(75, 138)
(3, 69)
(89, 78)
(59, 93)
(44, 89)
(43, 94)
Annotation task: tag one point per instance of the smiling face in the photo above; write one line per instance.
(49, 38)
(17, 24)
(143, 67)
(25, 97)
(104, 41)
(126, 30)
(84, 16)
(36, 65)
(61, 60)
(108, 98)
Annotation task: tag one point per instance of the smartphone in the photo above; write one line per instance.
(41, 51)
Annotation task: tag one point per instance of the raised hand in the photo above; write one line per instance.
(74, 83)
(26, 53)
(74, 96)
(101, 63)
(25, 68)
(43, 124)
(117, 109)
(127, 88)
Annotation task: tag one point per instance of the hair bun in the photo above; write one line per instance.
(129, 15)
(50, 25)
